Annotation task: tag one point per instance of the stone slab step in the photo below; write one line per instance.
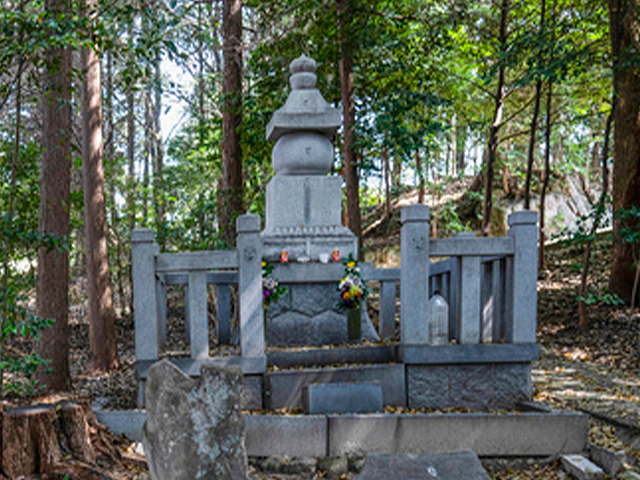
(489, 435)
(441, 466)
(342, 398)
(283, 389)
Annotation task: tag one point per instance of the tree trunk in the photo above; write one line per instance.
(230, 197)
(30, 444)
(158, 164)
(131, 144)
(52, 288)
(626, 139)
(583, 322)
(546, 175)
(349, 115)
(102, 333)
(420, 171)
(387, 186)
(461, 140)
(534, 123)
(38, 438)
(492, 144)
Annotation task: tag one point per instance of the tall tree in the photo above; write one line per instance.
(534, 119)
(349, 155)
(231, 185)
(492, 145)
(52, 288)
(102, 334)
(625, 48)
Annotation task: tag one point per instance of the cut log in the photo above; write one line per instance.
(37, 437)
(30, 444)
(73, 432)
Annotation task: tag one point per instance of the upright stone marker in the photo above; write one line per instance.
(194, 428)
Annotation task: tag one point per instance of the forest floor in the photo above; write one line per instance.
(597, 371)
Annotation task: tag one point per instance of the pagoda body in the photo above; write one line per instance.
(304, 217)
(304, 202)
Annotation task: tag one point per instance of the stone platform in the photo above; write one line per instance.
(520, 434)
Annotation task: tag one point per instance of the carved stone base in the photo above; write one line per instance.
(307, 315)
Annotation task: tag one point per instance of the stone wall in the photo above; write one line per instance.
(476, 386)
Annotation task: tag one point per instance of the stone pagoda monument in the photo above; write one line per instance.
(304, 203)
(304, 218)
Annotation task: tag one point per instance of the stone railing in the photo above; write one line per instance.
(488, 283)
(153, 271)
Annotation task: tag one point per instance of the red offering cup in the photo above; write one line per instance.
(284, 256)
(335, 256)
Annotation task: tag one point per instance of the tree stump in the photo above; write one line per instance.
(30, 444)
(36, 438)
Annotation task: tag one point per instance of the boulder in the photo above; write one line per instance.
(194, 428)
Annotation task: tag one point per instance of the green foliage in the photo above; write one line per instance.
(449, 222)
(604, 299)
(583, 232)
(629, 230)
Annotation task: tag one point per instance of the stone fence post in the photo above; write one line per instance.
(414, 275)
(143, 270)
(249, 247)
(523, 228)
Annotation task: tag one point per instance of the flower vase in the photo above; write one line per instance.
(354, 323)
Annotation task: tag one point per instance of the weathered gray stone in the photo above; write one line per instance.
(581, 468)
(284, 388)
(292, 435)
(342, 398)
(480, 387)
(127, 422)
(443, 466)
(251, 397)
(485, 434)
(314, 299)
(325, 328)
(194, 428)
(609, 460)
(305, 109)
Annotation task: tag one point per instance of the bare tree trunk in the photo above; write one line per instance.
(387, 186)
(349, 114)
(547, 174)
(148, 149)
(102, 332)
(158, 164)
(461, 140)
(492, 144)
(52, 288)
(534, 123)
(624, 32)
(583, 321)
(420, 171)
(232, 186)
(131, 143)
